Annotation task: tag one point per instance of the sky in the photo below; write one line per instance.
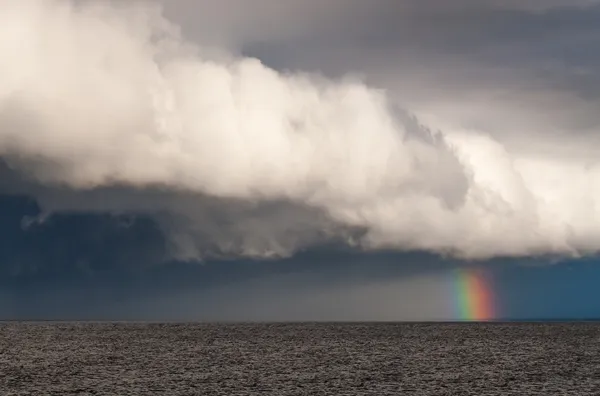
(299, 160)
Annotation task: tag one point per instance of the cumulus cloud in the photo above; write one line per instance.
(104, 106)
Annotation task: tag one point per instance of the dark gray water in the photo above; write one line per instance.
(299, 359)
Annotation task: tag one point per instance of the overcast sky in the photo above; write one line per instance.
(138, 136)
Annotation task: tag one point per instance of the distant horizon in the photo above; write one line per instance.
(275, 322)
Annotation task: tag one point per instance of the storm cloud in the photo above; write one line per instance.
(412, 126)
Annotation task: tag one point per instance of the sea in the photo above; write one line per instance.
(299, 359)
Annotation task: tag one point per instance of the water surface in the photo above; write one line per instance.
(300, 359)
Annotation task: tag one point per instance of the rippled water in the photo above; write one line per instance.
(299, 359)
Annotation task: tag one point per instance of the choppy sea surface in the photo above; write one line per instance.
(299, 359)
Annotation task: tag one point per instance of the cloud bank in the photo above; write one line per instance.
(106, 107)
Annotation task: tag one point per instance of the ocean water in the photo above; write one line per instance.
(299, 359)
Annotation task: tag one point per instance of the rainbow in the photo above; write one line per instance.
(473, 295)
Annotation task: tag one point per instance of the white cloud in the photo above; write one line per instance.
(260, 162)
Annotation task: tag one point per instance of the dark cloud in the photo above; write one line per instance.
(461, 28)
(533, 63)
(73, 244)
